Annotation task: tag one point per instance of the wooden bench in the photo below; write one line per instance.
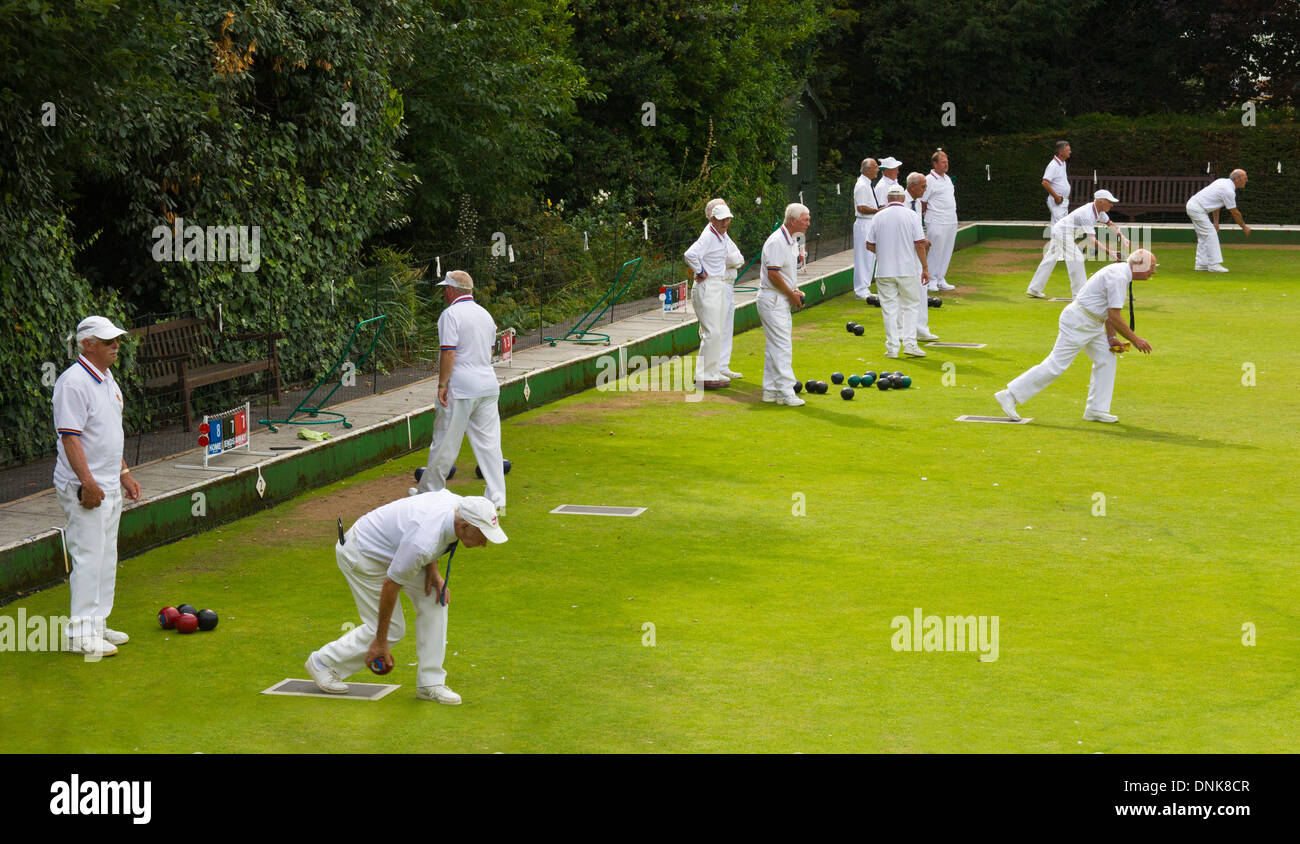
(176, 356)
(1140, 194)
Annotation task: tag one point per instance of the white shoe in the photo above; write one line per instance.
(116, 637)
(943, 285)
(1098, 416)
(326, 679)
(733, 376)
(1008, 404)
(1218, 268)
(1034, 294)
(790, 400)
(920, 336)
(441, 694)
(1200, 268)
(769, 396)
(914, 351)
(91, 645)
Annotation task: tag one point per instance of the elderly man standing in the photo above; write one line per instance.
(1057, 183)
(89, 479)
(1088, 324)
(708, 258)
(468, 391)
(889, 166)
(939, 204)
(1062, 246)
(1204, 209)
(778, 296)
(393, 549)
(864, 207)
(901, 269)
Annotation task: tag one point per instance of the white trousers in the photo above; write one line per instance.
(942, 237)
(778, 349)
(709, 297)
(1060, 248)
(864, 260)
(365, 577)
(728, 321)
(479, 418)
(1058, 211)
(91, 536)
(899, 298)
(1207, 239)
(922, 324)
(1078, 332)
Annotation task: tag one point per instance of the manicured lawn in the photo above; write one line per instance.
(1120, 632)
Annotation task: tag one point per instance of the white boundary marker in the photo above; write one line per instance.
(274, 690)
(1003, 420)
(597, 510)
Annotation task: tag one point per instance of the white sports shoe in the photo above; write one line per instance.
(914, 351)
(326, 679)
(116, 637)
(790, 400)
(1007, 403)
(1098, 416)
(927, 336)
(769, 396)
(1034, 294)
(943, 285)
(1200, 268)
(1218, 268)
(892, 355)
(441, 694)
(91, 645)
(731, 375)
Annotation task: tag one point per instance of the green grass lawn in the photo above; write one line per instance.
(1118, 633)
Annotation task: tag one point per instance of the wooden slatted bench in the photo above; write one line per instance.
(1140, 194)
(176, 356)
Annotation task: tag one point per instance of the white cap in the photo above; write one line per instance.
(98, 326)
(482, 514)
(897, 190)
(889, 163)
(464, 283)
(1105, 194)
(720, 211)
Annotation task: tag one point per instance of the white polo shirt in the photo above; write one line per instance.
(780, 252)
(882, 190)
(88, 404)
(895, 232)
(735, 260)
(1221, 193)
(468, 329)
(1056, 177)
(709, 253)
(1081, 221)
(863, 195)
(1108, 288)
(408, 533)
(940, 199)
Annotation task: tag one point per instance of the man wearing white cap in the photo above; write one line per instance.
(778, 296)
(939, 204)
(889, 167)
(392, 549)
(89, 479)
(1088, 324)
(468, 391)
(864, 207)
(901, 269)
(1062, 246)
(1057, 183)
(1204, 209)
(708, 257)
